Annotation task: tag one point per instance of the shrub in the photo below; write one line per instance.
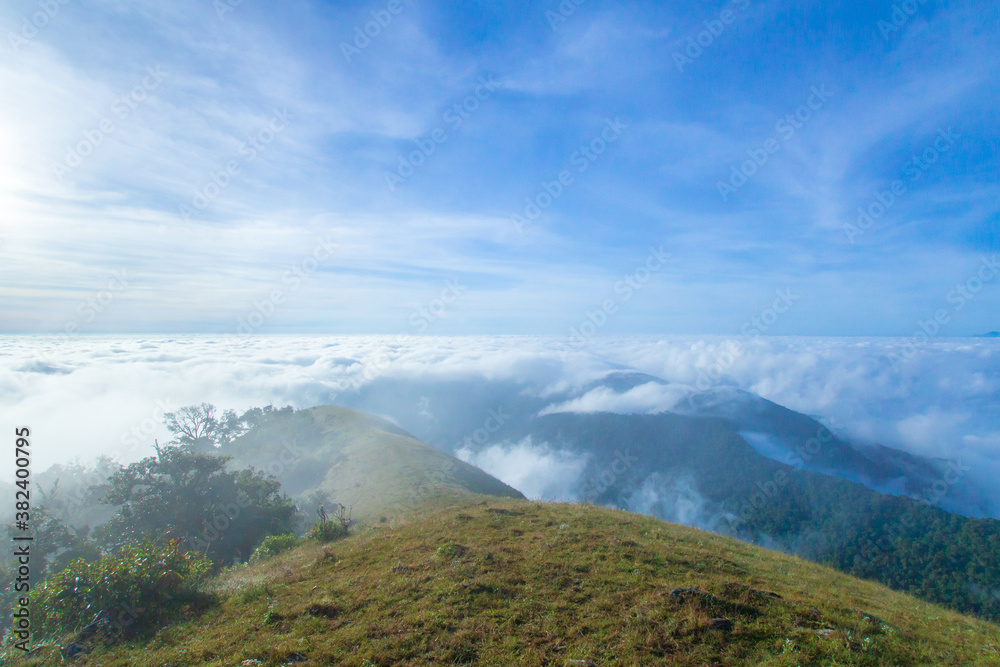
(274, 545)
(326, 531)
(134, 589)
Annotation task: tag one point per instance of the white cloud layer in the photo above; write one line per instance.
(88, 395)
(537, 471)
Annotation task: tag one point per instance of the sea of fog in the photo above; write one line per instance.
(84, 396)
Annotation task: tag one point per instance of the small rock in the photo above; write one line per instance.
(73, 650)
(325, 610)
(721, 624)
(252, 662)
(686, 592)
(825, 632)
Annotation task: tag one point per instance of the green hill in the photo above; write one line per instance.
(339, 455)
(513, 582)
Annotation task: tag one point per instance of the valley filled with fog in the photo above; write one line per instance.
(87, 396)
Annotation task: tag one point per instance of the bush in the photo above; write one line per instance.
(134, 589)
(326, 531)
(274, 545)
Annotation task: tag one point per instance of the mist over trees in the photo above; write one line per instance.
(183, 497)
(180, 493)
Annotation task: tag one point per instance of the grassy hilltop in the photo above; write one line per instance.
(336, 454)
(511, 582)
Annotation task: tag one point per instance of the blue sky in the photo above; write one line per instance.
(236, 166)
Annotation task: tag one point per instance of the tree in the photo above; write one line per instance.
(195, 426)
(201, 429)
(179, 493)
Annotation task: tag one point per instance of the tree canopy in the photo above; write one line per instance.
(180, 493)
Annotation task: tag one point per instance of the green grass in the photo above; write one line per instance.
(346, 456)
(509, 582)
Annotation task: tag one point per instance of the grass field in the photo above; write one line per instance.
(511, 582)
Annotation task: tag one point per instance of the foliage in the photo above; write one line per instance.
(326, 531)
(898, 541)
(523, 591)
(181, 494)
(274, 545)
(200, 429)
(133, 589)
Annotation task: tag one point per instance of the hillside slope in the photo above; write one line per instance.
(505, 582)
(339, 455)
